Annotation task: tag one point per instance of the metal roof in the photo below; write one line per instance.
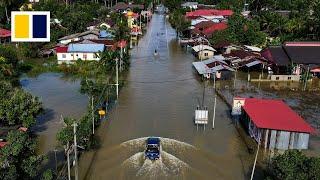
(202, 47)
(275, 114)
(204, 67)
(86, 48)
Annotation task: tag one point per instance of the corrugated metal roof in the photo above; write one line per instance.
(86, 48)
(274, 114)
(202, 47)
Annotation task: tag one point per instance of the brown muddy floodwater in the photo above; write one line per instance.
(159, 99)
(60, 97)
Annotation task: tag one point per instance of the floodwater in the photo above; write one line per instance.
(60, 97)
(159, 98)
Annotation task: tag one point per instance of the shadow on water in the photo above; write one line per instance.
(43, 119)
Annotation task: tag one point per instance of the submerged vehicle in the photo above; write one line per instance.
(152, 151)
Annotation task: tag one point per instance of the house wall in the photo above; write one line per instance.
(69, 57)
(284, 140)
(285, 77)
(205, 54)
(275, 139)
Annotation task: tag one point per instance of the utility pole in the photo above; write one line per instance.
(92, 113)
(215, 100)
(121, 57)
(55, 158)
(68, 160)
(117, 78)
(75, 150)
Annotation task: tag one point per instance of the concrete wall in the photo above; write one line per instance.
(205, 54)
(69, 57)
(283, 140)
(285, 77)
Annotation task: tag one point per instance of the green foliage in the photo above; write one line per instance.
(84, 131)
(74, 17)
(9, 54)
(17, 106)
(47, 175)
(235, 5)
(294, 165)
(240, 31)
(172, 4)
(18, 157)
(122, 30)
(178, 21)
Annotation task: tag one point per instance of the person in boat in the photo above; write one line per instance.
(155, 52)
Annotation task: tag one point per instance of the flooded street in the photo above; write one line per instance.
(59, 97)
(158, 99)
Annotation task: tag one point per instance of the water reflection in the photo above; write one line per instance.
(60, 97)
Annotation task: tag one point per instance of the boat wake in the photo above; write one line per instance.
(168, 166)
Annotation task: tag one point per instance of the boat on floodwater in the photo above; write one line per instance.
(153, 147)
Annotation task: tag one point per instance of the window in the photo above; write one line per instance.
(277, 78)
(94, 56)
(84, 56)
(289, 78)
(64, 56)
(205, 54)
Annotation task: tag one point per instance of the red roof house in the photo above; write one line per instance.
(5, 35)
(208, 28)
(208, 12)
(275, 114)
(2, 144)
(274, 124)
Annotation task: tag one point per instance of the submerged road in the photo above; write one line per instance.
(159, 99)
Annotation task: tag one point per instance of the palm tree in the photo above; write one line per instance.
(6, 3)
(107, 59)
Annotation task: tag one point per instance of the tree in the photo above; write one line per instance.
(17, 106)
(18, 157)
(172, 4)
(294, 165)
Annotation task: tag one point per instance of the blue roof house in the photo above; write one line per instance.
(85, 52)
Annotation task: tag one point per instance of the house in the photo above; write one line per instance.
(5, 36)
(245, 59)
(208, 13)
(203, 51)
(215, 19)
(273, 124)
(132, 18)
(290, 56)
(72, 52)
(190, 5)
(104, 34)
(208, 28)
(216, 64)
(91, 34)
(194, 41)
(97, 24)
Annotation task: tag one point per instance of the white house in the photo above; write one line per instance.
(72, 52)
(203, 51)
(191, 5)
